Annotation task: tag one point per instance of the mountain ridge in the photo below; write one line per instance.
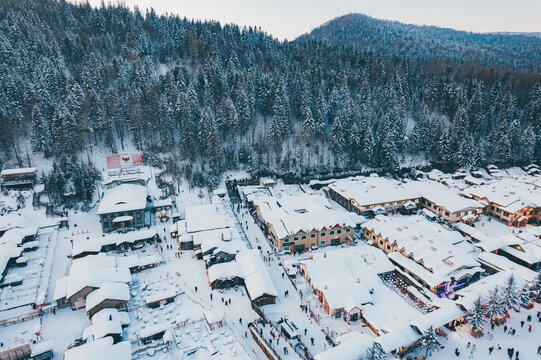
(423, 43)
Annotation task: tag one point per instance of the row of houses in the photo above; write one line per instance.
(374, 195)
(296, 221)
(440, 259)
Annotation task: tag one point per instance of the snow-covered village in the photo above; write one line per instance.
(444, 265)
(270, 180)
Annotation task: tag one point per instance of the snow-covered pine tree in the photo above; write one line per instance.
(535, 288)
(477, 315)
(375, 352)
(525, 295)
(510, 293)
(429, 341)
(494, 306)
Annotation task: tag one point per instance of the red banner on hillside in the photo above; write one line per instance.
(113, 161)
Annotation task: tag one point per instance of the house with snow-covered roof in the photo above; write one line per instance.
(110, 295)
(369, 195)
(297, 221)
(345, 280)
(435, 256)
(122, 207)
(249, 270)
(85, 276)
(83, 246)
(446, 202)
(18, 178)
(513, 202)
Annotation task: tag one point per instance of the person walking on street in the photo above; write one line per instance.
(312, 341)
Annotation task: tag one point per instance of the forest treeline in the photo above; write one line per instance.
(204, 97)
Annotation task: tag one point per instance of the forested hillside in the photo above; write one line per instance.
(206, 97)
(430, 43)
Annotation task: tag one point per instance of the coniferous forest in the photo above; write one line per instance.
(203, 97)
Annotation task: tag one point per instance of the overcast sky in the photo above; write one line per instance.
(287, 19)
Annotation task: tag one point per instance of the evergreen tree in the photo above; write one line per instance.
(429, 341)
(510, 293)
(477, 315)
(495, 306)
(535, 288)
(375, 352)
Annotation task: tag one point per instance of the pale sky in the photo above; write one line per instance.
(287, 19)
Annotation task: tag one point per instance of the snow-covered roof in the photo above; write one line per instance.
(373, 190)
(224, 271)
(290, 214)
(501, 263)
(510, 194)
(125, 197)
(108, 291)
(61, 288)
(207, 217)
(93, 271)
(7, 252)
(154, 329)
(471, 231)
(100, 349)
(119, 219)
(7, 172)
(226, 239)
(443, 196)
(402, 335)
(137, 260)
(42, 347)
(438, 317)
(15, 236)
(161, 295)
(255, 274)
(353, 275)
(82, 245)
(352, 346)
(440, 250)
(103, 326)
(163, 202)
(213, 316)
(122, 316)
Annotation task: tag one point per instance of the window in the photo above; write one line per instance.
(313, 244)
(331, 233)
(323, 242)
(312, 236)
(498, 210)
(389, 247)
(303, 237)
(323, 234)
(338, 232)
(373, 237)
(492, 208)
(296, 238)
(447, 213)
(381, 242)
(348, 229)
(286, 247)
